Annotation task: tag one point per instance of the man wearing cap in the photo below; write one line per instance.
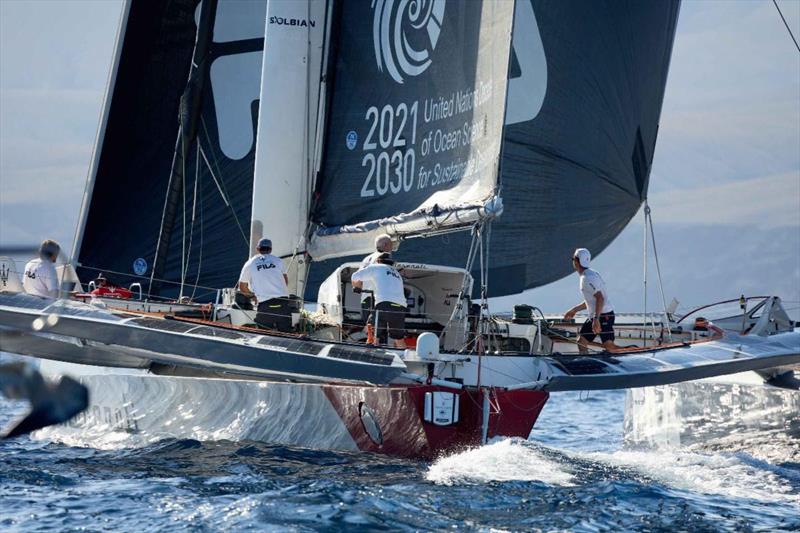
(383, 245)
(595, 301)
(40, 276)
(387, 285)
(263, 276)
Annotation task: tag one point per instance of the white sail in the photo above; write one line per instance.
(287, 122)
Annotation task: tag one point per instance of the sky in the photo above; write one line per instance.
(724, 187)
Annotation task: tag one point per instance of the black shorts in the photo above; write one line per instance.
(606, 328)
(366, 309)
(391, 316)
(275, 314)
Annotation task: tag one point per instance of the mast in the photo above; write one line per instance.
(287, 130)
(188, 116)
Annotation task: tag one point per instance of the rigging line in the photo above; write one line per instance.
(194, 215)
(221, 184)
(467, 269)
(164, 211)
(224, 196)
(214, 158)
(787, 25)
(481, 320)
(644, 267)
(486, 268)
(183, 206)
(658, 271)
(200, 254)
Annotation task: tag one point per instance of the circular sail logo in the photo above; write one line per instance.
(404, 33)
(351, 140)
(140, 266)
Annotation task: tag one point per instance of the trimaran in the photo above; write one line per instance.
(332, 123)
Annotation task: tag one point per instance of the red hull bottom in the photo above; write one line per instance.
(391, 420)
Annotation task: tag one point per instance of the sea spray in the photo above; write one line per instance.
(502, 460)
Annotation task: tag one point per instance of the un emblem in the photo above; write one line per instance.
(404, 34)
(140, 266)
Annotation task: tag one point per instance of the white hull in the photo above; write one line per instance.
(134, 408)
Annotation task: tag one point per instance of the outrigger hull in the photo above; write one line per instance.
(135, 407)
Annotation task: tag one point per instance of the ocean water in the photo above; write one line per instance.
(574, 473)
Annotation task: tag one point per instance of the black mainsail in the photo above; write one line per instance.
(415, 123)
(586, 85)
(123, 207)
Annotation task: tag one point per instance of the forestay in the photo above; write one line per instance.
(415, 123)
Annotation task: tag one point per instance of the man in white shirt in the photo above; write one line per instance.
(383, 245)
(263, 276)
(386, 283)
(40, 276)
(596, 302)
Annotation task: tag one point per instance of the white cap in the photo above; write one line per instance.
(383, 237)
(584, 257)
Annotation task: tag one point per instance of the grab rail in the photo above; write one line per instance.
(138, 286)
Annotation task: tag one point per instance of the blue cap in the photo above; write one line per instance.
(264, 243)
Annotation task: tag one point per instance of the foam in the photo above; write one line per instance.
(719, 474)
(502, 460)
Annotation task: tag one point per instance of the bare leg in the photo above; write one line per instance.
(610, 346)
(583, 345)
(399, 343)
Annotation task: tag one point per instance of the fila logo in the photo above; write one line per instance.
(265, 267)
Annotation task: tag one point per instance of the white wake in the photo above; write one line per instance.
(502, 460)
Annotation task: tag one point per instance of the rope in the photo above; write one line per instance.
(787, 25)
(200, 256)
(666, 322)
(644, 263)
(188, 255)
(164, 211)
(220, 187)
(183, 234)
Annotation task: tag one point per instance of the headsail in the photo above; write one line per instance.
(586, 85)
(123, 206)
(415, 122)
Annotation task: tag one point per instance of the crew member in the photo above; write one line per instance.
(263, 276)
(595, 301)
(40, 276)
(707, 328)
(387, 285)
(383, 245)
(103, 287)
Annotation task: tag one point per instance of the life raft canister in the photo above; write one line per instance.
(112, 292)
